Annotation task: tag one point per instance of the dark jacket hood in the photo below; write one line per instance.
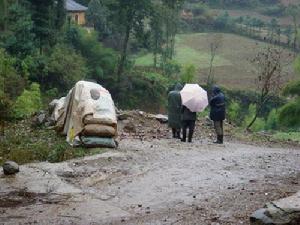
(216, 90)
(178, 87)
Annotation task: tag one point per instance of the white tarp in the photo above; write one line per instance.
(82, 103)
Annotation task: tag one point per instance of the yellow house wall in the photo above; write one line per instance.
(80, 15)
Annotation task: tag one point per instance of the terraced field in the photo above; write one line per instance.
(232, 67)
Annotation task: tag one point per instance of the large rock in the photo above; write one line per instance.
(10, 168)
(285, 211)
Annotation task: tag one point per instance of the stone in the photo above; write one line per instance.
(161, 118)
(285, 211)
(10, 168)
(39, 118)
(123, 116)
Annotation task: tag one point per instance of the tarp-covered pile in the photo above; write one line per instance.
(86, 116)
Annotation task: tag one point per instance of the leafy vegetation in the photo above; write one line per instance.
(25, 144)
(28, 102)
(289, 114)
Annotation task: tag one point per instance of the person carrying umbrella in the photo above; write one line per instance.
(217, 112)
(188, 122)
(174, 110)
(194, 99)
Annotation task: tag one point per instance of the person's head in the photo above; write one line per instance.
(216, 90)
(178, 87)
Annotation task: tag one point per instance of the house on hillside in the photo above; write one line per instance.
(76, 12)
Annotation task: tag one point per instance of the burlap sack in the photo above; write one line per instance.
(99, 130)
(89, 119)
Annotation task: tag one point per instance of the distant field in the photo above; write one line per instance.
(284, 21)
(287, 2)
(231, 67)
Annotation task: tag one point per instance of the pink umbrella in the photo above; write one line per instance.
(194, 97)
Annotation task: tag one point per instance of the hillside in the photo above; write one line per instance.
(287, 2)
(231, 67)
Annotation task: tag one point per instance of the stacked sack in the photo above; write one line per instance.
(87, 117)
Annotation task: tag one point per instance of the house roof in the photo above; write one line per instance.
(74, 6)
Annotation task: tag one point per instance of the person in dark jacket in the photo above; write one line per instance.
(188, 119)
(174, 110)
(217, 112)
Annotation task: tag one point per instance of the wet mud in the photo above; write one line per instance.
(152, 182)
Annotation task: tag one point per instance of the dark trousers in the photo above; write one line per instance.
(218, 127)
(176, 133)
(188, 124)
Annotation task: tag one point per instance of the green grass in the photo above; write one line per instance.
(287, 136)
(25, 144)
(231, 67)
(185, 54)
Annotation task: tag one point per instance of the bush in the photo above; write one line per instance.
(65, 68)
(259, 123)
(234, 113)
(101, 61)
(11, 85)
(29, 102)
(272, 120)
(171, 68)
(189, 74)
(289, 114)
(146, 90)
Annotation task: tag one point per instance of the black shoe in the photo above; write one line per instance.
(219, 140)
(183, 140)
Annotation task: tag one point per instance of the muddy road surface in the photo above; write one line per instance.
(152, 183)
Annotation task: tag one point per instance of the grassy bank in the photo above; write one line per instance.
(24, 143)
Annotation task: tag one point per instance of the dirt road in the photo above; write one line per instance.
(158, 182)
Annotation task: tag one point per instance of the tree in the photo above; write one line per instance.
(157, 32)
(273, 26)
(215, 45)
(293, 12)
(20, 39)
(97, 15)
(59, 13)
(3, 12)
(49, 18)
(268, 65)
(128, 16)
(288, 32)
(41, 16)
(171, 10)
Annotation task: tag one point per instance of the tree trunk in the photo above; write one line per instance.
(253, 121)
(5, 8)
(123, 55)
(2, 128)
(295, 33)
